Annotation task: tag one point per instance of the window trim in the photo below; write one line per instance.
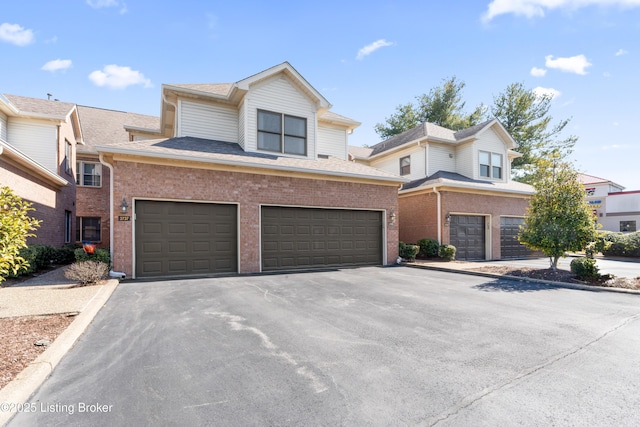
(490, 165)
(408, 172)
(282, 134)
(80, 173)
(68, 153)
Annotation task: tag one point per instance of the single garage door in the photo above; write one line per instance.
(467, 235)
(296, 238)
(510, 247)
(185, 239)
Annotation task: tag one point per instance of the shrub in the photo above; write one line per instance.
(447, 252)
(585, 268)
(37, 256)
(429, 247)
(87, 272)
(100, 255)
(65, 255)
(627, 244)
(408, 252)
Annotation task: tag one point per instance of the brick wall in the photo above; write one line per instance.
(418, 214)
(94, 202)
(249, 190)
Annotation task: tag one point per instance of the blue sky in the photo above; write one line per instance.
(366, 58)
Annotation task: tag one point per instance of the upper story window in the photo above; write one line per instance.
(67, 156)
(405, 165)
(490, 165)
(89, 174)
(282, 133)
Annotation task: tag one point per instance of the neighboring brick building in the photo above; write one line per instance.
(460, 190)
(38, 141)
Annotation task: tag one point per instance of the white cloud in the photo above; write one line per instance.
(621, 52)
(574, 64)
(99, 4)
(537, 8)
(538, 72)
(56, 65)
(370, 48)
(614, 147)
(117, 77)
(546, 91)
(15, 34)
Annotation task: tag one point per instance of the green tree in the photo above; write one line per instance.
(443, 106)
(15, 227)
(558, 218)
(525, 115)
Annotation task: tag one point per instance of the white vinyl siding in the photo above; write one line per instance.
(208, 121)
(3, 127)
(465, 161)
(332, 142)
(441, 158)
(37, 140)
(241, 124)
(490, 142)
(391, 164)
(279, 96)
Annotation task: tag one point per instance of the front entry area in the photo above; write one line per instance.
(468, 236)
(299, 238)
(185, 238)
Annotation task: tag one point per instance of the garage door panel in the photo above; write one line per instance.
(467, 234)
(510, 247)
(321, 237)
(183, 238)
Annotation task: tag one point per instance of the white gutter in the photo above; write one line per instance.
(175, 118)
(439, 214)
(236, 163)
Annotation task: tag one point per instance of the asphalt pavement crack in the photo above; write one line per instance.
(533, 370)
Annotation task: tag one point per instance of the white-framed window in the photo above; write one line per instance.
(405, 165)
(627, 226)
(89, 174)
(282, 133)
(88, 229)
(68, 150)
(490, 165)
(67, 226)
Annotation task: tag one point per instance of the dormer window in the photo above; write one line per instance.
(405, 165)
(490, 165)
(281, 133)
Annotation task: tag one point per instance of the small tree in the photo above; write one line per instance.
(558, 218)
(15, 227)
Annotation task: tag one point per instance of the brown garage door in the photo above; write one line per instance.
(510, 247)
(296, 238)
(467, 235)
(185, 239)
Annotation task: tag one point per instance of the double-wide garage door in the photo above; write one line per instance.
(298, 238)
(185, 239)
(191, 239)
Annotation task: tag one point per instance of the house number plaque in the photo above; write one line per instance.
(124, 218)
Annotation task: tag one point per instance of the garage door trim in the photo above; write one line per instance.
(153, 199)
(280, 205)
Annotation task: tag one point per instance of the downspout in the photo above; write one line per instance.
(439, 214)
(118, 274)
(175, 118)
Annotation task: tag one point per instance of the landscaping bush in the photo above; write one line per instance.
(38, 256)
(622, 244)
(87, 272)
(429, 247)
(65, 255)
(585, 268)
(447, 252)
(408, 252)
(100, 255)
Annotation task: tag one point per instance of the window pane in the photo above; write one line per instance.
(484, 170)
(484, 159)
(497, 172)
(293, 145)
(295, 126)
(91, 229)
(89, 169)
(269, 122)
(268, 141)
(496, 160)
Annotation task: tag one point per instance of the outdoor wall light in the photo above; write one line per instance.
(124, 206)
(447, 219)
(392, 218)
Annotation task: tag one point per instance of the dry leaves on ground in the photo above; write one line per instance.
(18, 338)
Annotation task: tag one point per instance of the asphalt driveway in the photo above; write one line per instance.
(368, 346)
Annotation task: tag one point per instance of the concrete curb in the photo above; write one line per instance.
(21, 388)
(526, 279)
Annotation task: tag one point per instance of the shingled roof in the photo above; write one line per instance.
(431, 131)
(27, 105)
(452, 179)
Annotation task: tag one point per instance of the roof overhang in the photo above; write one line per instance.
(461, 187)
(32, 167)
